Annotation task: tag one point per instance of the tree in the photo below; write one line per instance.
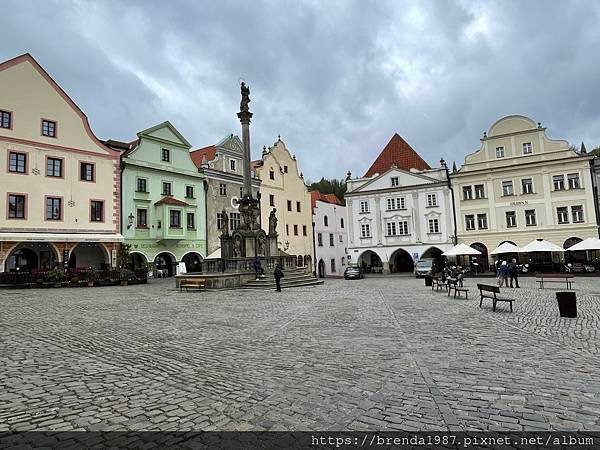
(595, 151)
(327, 186)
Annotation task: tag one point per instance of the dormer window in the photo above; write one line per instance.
(48, 128)
(395, 181)
(166, 155)
(499, 152)
(285, 169)
(272, 174)
(232, 165)
(527, 148)
(5, 119)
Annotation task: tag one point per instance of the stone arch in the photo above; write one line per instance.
(138, 259)
(321, 269)
(89, 254)
(577, 256)
(47, 256)
(401, 261)
(300, 261)
(369, 260)
(164, 264)
(482, 260)
(193, 262)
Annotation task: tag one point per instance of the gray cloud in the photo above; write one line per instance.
(336, 79)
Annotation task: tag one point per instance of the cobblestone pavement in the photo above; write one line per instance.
(379, 353)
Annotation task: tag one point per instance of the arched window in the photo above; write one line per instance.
(325, 221)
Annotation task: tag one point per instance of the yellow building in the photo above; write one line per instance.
(60, 185)
(520, 186)
(282, 187)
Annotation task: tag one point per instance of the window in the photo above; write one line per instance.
(573, 181)
(562, 214)
(287, 229)
(298, 209)
(86, 171)
(511, 219)
(222, 189)
(234, 220)
(467, 193)
(332, 265)
(331, 240)
(507, 188)
(97, 211)
(189, 191)
(17, 162)
(434, 225)
(271, 174)
(285, 169)
(391, 229)
(166, 188)
(499, 152)
(190, 221)
(364, 206)
(470, 222)
(479, 191)
(16, 206)
(5, 119)
(343, 261)
(232, 165)
(530, 217)
(319, 239)
(174, 218)
(325, 221)
(341, 222)
(482, 221)
(54, 167)
(577, 213)
(142, 218)
(527, 186)
(53, 208)
(527, 148)
(395, 203)
(365, 230)
(403, 227)
(341, 238)
(241, 192)
(141, 185)
(431, 199)
(559, 182)
(394, 181)
(289, 205)
(165, 155)
(271, 200)
(303, 230)
(295, 230)
(48, 128)
(220, 220)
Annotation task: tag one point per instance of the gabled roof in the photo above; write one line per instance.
(199, 155)
(316, 196)
(167, 200)
(170, 126)
(118, 145)
(256, 163)
(399, 153)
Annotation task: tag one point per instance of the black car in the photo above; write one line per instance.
(353, 272)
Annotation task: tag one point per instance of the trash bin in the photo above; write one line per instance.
(428, 280)
(567, 304)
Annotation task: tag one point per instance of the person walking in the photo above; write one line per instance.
(278, 274)
(503, 274)
(258, 268)
(513, 273)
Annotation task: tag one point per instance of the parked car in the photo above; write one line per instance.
(424, 267)
(353, 272)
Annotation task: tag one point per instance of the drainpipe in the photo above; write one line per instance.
(314, 251)
(206, 214)
(445, 167)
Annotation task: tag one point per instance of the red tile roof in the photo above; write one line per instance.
(327, 198)
(256, 163)
(198, 155)
(167, 200)
(397, 152)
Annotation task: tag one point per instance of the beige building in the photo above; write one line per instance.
(60, 185)
(520, 186)
(282, 187)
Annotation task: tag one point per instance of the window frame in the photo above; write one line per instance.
(235, 220)
(175, 213)
(523, 190)
(163, 152)
(289, 206)
(44, 121)
(574, 176)
(189, 187)
(187, 220)
(527, 145)
(432, 200)
(61, 208)
(527, 215)
(62, 166)
(319, 239)
(271, 199)
(470, 219)
(365, 231)
(561, 179)
(137, 218)
(500, 152)
(513, 216)
(92, 201)
(436, 222)
(580, 210)
(137, 184)
(508, 184)
(223, 189)
(163, 190)
(4, 112)
(476, 191)
(17, 153)
(364, 203)
(25, 196)
(395, 181)
(468, 189)
(89, 163)
(232, 165)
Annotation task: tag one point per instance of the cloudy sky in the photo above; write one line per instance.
(335, 78)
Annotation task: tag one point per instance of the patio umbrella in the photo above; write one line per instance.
(541, 245)
(461, 249)
(505, 247)
(586, 244)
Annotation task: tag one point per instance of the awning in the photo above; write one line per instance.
(541, 245)
(505, 247)
(586, 244)
(62, 237)
(461, 249)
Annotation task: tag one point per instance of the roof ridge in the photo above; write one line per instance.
(397, 152)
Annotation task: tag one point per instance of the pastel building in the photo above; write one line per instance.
(330, 237)
(164, 200)
(60, 185)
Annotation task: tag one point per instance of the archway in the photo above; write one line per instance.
(300, 261)
(401, 261)
(31, 256)
(193, 262)
(308, 262)
(164, 264)
(138, 260)
(321, 270)
(482, 261)
(370, 262)
(88, 254)
(573, 257)
(436, 254)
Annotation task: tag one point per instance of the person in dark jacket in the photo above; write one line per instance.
(258, 268)
(513, 273)
(278, 274)
(503, 274)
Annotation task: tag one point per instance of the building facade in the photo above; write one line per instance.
(222, 165)
(520, 186)
(60, 184)
(163, 201)
(283, 188)
(399, 212)
(330, 237)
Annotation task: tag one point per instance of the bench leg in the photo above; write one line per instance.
(494, 306)
(466, 295)
(481, 301)
(510, 306)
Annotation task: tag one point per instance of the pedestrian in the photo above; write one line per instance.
(278, 274)
(513, 272)
(503, 274)
(258, 270)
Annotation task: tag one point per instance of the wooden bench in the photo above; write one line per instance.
(437, 284)
(453, 284)
(490, 291)
(192, 283)
(555, 278)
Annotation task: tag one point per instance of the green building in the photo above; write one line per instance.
(163, 201)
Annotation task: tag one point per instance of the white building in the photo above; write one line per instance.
(399, 212)
(329, 228)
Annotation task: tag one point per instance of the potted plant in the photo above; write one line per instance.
(74, 281)
(91, 277)
(126, 275)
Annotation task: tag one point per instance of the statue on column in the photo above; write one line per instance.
(273, 222)
(245, 97)
(225, 226)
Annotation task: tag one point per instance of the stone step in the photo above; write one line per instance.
(287, 285)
